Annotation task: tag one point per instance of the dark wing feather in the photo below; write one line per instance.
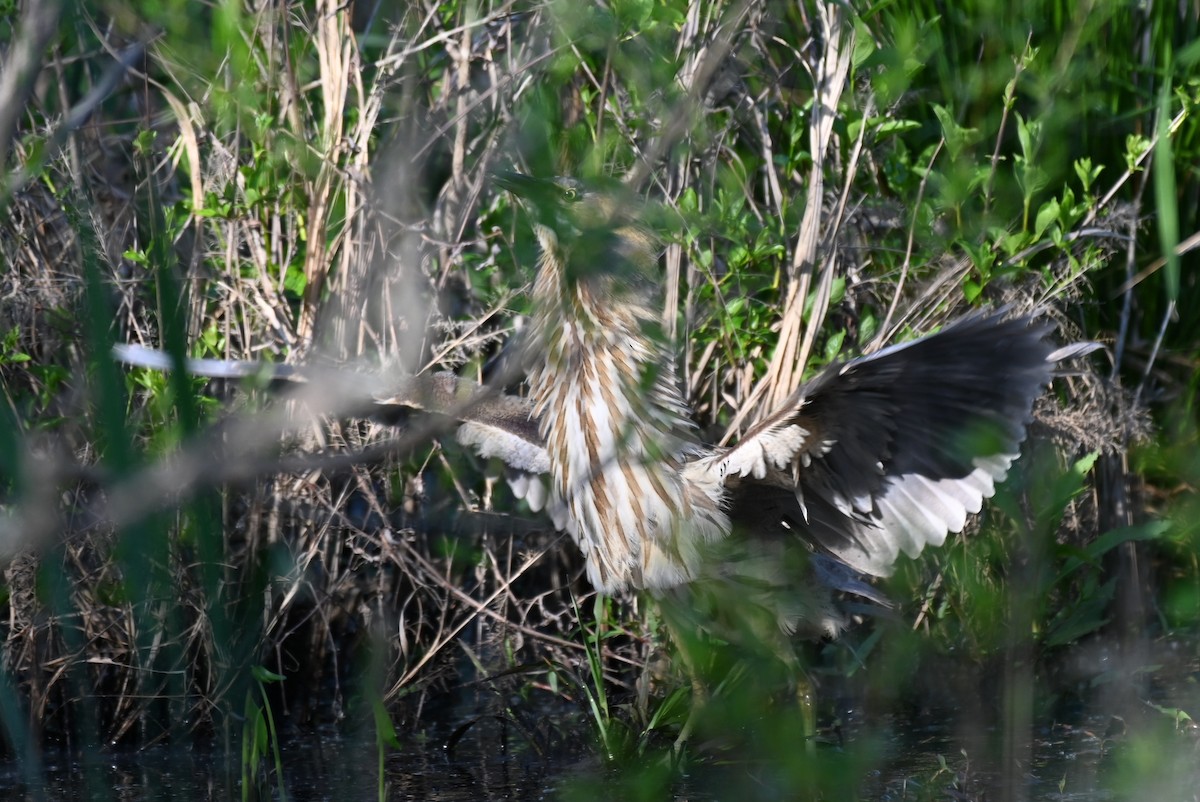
(892, 451)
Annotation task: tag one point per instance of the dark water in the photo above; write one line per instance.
(320, 768)
(1115, 741)
(1068, 762)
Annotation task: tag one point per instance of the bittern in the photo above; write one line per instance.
(879, 455)
(882, 454)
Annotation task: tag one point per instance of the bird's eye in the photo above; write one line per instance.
(570, 194)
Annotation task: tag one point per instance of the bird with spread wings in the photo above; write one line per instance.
(879, 455)
(876, 456)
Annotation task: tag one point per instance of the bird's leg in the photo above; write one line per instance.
(808, 714)
(681, 630)
(803, 690)
(699, 691)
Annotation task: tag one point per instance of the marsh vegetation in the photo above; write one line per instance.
(241, 567)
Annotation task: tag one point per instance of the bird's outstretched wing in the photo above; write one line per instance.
(491, 423)
(145, 357)
(890, 452)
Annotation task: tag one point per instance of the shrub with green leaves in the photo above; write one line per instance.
(309, 182)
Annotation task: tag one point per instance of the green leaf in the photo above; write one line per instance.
(1135, 146)
(632, 14)
(1031, 178)
(864, 43)
(385, 731)
(888, 126)
(1178, 715)
(1046, 216)
(983, 257)
(1166, 199)
(833, 346)
(688, 201)
(1029, 133)
(1151, 530)
(1011, 243)
(868, 324)
(1084, 618)
(264, 675)
(957, 137)
(738, 256)
(294, 281)
(1087, 173)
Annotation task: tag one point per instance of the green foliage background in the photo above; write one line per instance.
(309, 181)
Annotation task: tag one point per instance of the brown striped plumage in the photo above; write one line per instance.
(615, 424)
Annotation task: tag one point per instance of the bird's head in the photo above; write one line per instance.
(586, 230)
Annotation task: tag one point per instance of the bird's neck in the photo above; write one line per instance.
(601, 347)
(615, 427)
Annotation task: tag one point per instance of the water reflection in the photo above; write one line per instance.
(1076, 753)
